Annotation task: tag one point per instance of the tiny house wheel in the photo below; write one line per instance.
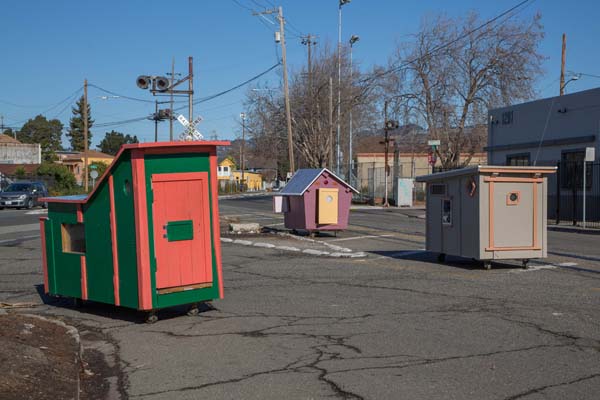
(441, 257)
(193, 311)
(525, 263)
(151, 317)
(487, 265)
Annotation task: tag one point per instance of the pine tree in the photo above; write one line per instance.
(75, 133)
(113, 141)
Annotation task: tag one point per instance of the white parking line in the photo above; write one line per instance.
(35, 212)
(360, 237)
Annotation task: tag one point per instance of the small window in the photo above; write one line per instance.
(226, 169)
(522, 160)
(73, 238)
(437, 189)
(446, 212)
(507, 117)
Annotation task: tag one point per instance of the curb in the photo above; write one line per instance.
(586, 231)
(346, 253)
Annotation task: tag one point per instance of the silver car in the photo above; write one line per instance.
(23, 195)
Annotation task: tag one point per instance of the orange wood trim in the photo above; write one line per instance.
(179, 176)
(44, 254)
(518, 171)
(535, 216)
(509, 202)
(140, 205)
(509, 179)
(152, 148)
(184, 288)
(113, 239)
(491, 212)
(512, 248)
(179, 150)
(215, 218)
(84, 291)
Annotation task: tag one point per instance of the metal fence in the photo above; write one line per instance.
(565, 194)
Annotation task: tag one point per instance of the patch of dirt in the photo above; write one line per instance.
(40, 359)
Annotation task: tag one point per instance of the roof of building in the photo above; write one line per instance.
(11, 169)
(90, 153)
(303, 178)
(504, 169)
(7, 139)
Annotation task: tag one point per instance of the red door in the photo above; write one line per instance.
(181, 229)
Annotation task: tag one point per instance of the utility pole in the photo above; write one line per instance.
(309, 42)
(288, 113)
(156, 120)
(1, 124)
(85, 134)
(243, 118)
(353, 40)
(331, 142)
(191, 87)
(171, 116)
(339, 101)
(562, 64)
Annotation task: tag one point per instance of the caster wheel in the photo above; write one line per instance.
(441, 257)
(78, 303)
(193, 311)
(151, 318)
(525, 264)
(487, 265)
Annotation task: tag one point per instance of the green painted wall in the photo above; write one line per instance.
(173, 163)
(126, 242)
(64, 269)
(66, 266)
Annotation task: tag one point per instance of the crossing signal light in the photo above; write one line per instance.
(143, 81)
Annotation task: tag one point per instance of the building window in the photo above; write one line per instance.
(225, 169)
(73, 238)
(507, 117)
(571, 170)
(522, 160)
(437, 189)
(446, 212)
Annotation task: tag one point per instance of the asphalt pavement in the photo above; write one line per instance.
(394, 324)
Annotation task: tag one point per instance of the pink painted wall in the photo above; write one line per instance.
(303, 209)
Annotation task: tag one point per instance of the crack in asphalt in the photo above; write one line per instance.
(542, 388)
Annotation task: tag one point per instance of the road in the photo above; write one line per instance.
(395, 324)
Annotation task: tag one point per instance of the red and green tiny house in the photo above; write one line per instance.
(147, 237)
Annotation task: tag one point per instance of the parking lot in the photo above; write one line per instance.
(393, 324)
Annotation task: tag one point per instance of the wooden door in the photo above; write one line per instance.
(328, 206)
(181, 229)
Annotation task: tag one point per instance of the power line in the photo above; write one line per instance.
(199, 101)
(450, 43)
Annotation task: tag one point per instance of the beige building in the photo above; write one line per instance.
(74, 161)
(13, 151)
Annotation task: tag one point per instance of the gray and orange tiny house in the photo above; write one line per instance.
(315, 200)
(147, 237)
(488, 213)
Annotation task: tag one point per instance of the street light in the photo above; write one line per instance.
(243, 117)
(353, 39)
(338, 154)
(574, 78)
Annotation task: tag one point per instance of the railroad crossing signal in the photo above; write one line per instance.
(190, 133)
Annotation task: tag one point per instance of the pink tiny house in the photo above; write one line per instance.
(315, 200)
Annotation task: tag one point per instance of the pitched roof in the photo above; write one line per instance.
(7, 139)
(303, 178)
(90, 153)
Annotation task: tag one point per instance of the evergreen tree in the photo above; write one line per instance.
(75, 133)
(113, 140)
(46, 133)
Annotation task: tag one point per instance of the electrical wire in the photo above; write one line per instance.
(119, 95)
(450, 43)
(199, 101)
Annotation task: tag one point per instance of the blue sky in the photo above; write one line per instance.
(49, 47)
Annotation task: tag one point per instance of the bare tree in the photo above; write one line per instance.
(455, 69)
(309, 98)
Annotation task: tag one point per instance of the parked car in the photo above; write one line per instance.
(23, 195)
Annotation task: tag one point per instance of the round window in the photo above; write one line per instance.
(127, 187)
(514, 197)
(329, 199)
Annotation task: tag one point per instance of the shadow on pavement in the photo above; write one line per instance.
(115, 312)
